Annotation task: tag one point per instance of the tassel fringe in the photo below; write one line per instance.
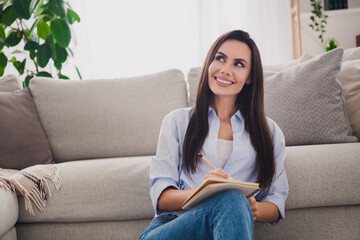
(32, 184)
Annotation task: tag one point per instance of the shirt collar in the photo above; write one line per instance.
(238, 114)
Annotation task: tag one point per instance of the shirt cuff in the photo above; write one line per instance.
(158, 186)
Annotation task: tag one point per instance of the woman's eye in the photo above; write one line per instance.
(220, 58)
(239, 64)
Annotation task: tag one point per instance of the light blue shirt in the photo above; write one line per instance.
(166, 168)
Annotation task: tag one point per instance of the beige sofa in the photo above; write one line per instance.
(102, 135)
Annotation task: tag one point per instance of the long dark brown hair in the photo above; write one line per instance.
(250, 102)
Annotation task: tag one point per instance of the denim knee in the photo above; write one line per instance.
(235, 197)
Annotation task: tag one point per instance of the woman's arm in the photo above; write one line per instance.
(171, 199)
(264, 212)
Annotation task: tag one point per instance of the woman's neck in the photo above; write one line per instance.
(224, 107)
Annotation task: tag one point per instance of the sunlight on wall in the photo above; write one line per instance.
(137, 37)
(140, 37)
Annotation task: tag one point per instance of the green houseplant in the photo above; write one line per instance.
(35, 37)
(318, 23)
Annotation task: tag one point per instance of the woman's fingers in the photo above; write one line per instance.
(254, 207)
(219, 172)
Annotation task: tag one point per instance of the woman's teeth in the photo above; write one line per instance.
(223, 81)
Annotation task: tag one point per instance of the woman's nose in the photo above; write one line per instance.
(226, 69)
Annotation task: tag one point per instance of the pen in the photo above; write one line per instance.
(207, 161)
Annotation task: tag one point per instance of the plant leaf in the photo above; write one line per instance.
(32, 55)
(61, 53)
(2, 38)
(61, 32)
(78, 72)
(26, 82)
(22, 8)
(50, 41)
(13, 38)
(58, 65)
(73, 15)
(9, 15)
(17, 52)
(19, 66)
(58, 6)
(3, 60)
(43, 55)
(35, 24)
(44, 74)
(2, 71)
(43, 29)
(33, 5)
(64, 77)
(31, 45)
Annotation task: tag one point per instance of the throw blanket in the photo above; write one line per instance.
(32, 184)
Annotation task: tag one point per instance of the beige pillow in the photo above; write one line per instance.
(351, 54)
(350, 80)
(9, 83)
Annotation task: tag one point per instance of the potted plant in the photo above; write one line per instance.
(35, 36)
(319, 21)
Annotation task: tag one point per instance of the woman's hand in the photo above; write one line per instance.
(254, 207)
(217, 173)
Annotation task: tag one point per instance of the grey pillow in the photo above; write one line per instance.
(306, 101)
(22, 139)
(9, 83)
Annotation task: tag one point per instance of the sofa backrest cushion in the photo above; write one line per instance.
(86, 119)
(305, 100)
(22, 139)
(350, 80)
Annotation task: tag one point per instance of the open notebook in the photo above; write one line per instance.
(212, 186)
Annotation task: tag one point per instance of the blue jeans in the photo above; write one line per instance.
(227, 215)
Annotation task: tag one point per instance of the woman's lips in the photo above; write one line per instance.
(223, 82)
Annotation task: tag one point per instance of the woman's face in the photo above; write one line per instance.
(230, 69)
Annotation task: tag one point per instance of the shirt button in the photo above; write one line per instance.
(232, 161)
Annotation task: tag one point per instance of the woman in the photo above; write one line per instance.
(229, 127)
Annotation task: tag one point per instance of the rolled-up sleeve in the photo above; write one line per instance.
(164, 167)
(279, 189)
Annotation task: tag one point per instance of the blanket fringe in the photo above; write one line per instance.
(32, 184)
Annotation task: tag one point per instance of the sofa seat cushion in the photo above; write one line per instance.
(323, 175)
(98, 190)
(9, 210)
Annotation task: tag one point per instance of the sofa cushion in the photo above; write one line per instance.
(323, 175)
(86, 119)
(351, 54)
(306, 101)
(9, 83)
(350, 80)
(98, 190)
(9, 210)
(22, 139)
